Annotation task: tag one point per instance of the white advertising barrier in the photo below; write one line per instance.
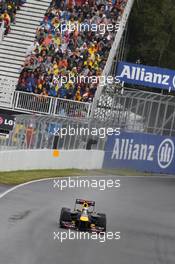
(13, 160)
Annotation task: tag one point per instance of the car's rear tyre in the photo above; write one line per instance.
(101, 221)
(65, 216)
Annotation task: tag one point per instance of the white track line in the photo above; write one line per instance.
(49, 179)
(21, 185)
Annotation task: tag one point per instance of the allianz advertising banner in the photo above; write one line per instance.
(146, 76)
(142, 152)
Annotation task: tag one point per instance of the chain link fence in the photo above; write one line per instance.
(137, 111)
(41, 132)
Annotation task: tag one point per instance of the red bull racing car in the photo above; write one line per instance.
(83, 217)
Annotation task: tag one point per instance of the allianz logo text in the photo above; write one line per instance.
(165, 153)
(144, 75)
(128, 149)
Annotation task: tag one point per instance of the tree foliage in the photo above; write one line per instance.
(152, 33)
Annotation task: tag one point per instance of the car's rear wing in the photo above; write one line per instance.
(81, 201)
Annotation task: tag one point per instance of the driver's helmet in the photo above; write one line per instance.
(85, 211)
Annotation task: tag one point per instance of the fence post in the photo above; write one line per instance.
(89, 110)
(16, 98)
(50, 105)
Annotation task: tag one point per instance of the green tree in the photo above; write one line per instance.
(152, 33)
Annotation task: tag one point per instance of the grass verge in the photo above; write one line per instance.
(18, 177)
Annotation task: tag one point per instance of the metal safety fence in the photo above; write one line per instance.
(138, 111)
(46, 132)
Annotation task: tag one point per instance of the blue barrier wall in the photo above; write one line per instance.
(142, 152)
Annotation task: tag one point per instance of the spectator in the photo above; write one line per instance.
(65, 48)
(8, 10)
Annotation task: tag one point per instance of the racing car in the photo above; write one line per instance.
(83, 217)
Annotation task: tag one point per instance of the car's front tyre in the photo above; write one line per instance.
(65, 216)
(101, 221)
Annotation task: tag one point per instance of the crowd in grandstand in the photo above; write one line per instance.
(8, 10)
(73, 40)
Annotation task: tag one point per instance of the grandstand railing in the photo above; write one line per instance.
(29, 102)
(2, 30)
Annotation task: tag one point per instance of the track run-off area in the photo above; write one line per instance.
(142, 209)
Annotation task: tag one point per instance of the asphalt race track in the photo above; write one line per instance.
(3, 188)
(143, 210)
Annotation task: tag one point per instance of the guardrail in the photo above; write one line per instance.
(29, 102)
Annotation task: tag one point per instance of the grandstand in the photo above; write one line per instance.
(14, 45)
(36, 54)
(19, 37)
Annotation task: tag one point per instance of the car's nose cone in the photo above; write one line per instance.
(84, 218)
